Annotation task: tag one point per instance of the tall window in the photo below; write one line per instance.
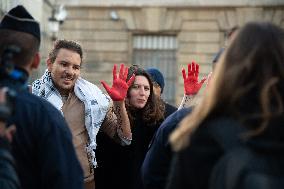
(158, 51)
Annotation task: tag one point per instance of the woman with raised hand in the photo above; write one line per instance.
(119, 166)
(243, 104)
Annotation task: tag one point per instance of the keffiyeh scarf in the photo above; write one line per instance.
(95, 101)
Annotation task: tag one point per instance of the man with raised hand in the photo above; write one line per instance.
(84, 106)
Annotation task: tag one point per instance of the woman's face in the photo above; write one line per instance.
(139, 92)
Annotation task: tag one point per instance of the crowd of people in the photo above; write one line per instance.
(65, 132)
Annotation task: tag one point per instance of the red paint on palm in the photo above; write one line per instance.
(191, 83)
(119, 87)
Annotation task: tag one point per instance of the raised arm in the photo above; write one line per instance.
(116, 123)
(191, 84)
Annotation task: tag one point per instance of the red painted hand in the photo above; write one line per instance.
(119, 87)
(191, 83)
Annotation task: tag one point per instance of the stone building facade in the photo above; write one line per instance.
(169, 33)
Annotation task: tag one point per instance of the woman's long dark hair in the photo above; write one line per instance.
(248, 83)
(153, 112)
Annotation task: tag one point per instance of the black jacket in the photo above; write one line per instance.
(8, 176)
(42, 145)
(120, 166)
(157, 162)
(192, 167)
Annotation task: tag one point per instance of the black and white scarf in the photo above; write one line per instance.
(95, 101)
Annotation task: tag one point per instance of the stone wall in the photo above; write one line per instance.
(105, 42)
(200, 33)
(175, 3)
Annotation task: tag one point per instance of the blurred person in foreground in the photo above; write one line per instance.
(145, 113)
(248, 89)
(42, 146)
(8, 175)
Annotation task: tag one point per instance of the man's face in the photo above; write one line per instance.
(65, 70)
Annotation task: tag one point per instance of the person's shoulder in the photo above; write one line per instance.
(35, 103)
(204, 139)
(26, 98)
(41, 112)
(222, 124)
(211, 134)
(31, 99)
(181, 113)
(222, 128)
(173, 120)
(178, 115)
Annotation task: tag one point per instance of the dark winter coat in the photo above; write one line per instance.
(8, 175)
(120, 166)
(42, 145)
(192, 167)
(157, 162)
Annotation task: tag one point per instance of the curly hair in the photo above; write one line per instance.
(153, 111)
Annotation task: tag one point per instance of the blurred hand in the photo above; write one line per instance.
(191, 83)
(119, 87)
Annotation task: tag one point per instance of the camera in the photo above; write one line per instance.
(6, 71)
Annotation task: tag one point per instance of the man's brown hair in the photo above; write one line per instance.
(65, 44)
